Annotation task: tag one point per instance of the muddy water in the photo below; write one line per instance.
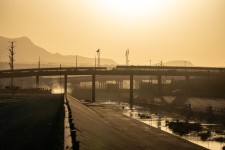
(159, 121)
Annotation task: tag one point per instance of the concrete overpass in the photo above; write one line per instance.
(131, 71)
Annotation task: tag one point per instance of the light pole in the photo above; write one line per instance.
(98, 54)
(39, 63)
(76, 60)
(161, 63)
(150, 62)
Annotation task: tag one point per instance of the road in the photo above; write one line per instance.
(35, 122)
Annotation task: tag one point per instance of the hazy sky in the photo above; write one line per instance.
(165, 30)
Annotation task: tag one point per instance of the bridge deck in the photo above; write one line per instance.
(119, 70)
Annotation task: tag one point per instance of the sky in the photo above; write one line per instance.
(156, 30)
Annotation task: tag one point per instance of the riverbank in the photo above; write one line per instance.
(100, 127)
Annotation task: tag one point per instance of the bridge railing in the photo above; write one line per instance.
(119, 70)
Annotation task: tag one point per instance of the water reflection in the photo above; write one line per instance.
(159, 121)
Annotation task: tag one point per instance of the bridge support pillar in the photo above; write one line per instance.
(159, 85)
(137, 83)
(99, 84)
(93, 88)
(131, 90)
(104, 85)
(37, 81)
(120, 84)
(187, 82)
(65, 84)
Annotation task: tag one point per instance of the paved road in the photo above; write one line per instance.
(99, 127)
(35, 123)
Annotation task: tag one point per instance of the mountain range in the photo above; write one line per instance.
(27, 56)
(180, 63)
(26, 52)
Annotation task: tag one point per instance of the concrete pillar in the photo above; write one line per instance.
(131, 91)
(187, 82)
(122, 84)
(137, 84)
(117, 83)
(104, 85)
(159, 85)
(65, 84)
(93, 88)
(100, 84)
(37, 81)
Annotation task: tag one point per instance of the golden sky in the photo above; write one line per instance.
(156, 30)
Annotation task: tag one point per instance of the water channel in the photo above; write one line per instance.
(159, 121)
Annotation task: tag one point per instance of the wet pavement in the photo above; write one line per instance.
(100, 127)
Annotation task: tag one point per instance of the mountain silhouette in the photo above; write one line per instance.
(181, 63)
(26, 52)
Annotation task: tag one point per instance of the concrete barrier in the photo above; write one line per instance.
(70, 142)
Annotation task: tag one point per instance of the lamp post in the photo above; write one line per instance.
(39, 63)
(161, 63)
(98, 54)
(76, 60)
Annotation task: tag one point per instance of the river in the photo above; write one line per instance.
(158, 120)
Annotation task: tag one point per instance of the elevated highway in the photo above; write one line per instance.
(119, 70)
(130, 71)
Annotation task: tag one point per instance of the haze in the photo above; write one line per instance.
(192, 30)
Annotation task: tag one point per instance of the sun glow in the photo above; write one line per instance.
(134, 8)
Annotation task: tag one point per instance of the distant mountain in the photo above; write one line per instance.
(178, 63)
(27, 53)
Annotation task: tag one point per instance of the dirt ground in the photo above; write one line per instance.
(34, 122)
(99, 127)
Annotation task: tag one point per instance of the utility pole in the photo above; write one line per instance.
(150, 76)
(95, 61)
(60, 80)
(11, 62)
(127, 57)
(39, 63)
(185, 64)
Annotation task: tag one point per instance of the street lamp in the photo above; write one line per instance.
(98, 54)
(161, 63)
